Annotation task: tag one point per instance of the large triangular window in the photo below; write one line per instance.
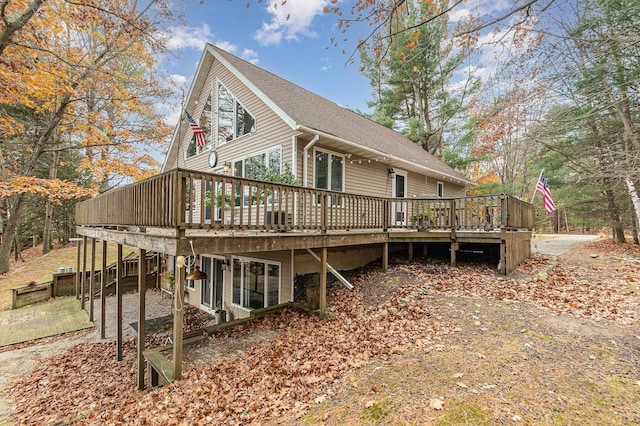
(233, 119)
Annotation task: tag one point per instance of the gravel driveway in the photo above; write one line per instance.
(557, 244)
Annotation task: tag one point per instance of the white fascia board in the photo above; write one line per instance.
(383, 154)
(264, 98)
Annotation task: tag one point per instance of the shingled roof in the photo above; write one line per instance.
(305, 110)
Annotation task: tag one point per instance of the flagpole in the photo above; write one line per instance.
(534, 188)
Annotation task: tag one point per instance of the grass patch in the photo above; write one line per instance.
(465, 414)
(606, 402)
(377, 411)
(42, 268)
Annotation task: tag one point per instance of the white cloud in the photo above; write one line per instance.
(289, 21)
(227, 46)
(250, 55)
(178, 80)
(188, 37)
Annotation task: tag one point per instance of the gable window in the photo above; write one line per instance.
(256, 283)
(205, 124)
(233, 119)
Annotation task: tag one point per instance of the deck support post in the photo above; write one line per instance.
(425, 249)
(78, 276)
(83, 275)
(92, 278)
(103, 289)
(323, 283)
(119, 304)
(454, 247)
(503, 257)
(385, 257)
(178, 318)
(142, 287)
(410, 248)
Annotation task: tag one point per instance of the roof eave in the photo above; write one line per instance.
(427, 170)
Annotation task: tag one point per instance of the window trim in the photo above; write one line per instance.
(332, 202)
(331, 153)
(208, 146)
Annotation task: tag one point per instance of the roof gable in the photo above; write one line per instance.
(302, 109)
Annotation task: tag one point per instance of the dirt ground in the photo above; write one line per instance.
(508, 361)
(557, 342)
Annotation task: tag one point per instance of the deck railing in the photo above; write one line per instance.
(186, 199)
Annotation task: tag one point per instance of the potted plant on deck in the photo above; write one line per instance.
(169, 279)
(422, 219)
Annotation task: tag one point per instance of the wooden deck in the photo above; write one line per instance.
(182, 211)
(222, 214)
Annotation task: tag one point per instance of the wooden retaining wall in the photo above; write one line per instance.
(516, 248)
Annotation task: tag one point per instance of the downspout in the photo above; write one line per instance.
(294, 154)
(305, 161)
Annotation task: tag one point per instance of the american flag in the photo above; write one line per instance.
(543, 188)
(201, 139)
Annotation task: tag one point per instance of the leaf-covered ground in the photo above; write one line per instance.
(556, 342)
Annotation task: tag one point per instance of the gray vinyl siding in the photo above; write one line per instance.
(368, 178)
(451, 190)
(372, 178)
(416, 185)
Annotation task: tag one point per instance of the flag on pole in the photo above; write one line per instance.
(543, 188)
(201, 140)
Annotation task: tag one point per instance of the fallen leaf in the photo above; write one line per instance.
(436, 403)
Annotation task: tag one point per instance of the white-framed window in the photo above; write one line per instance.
(249, 167)
(255, 283)
(440, 189)
(233, 118)
(212, 288)
(328, 173)
(328, 170)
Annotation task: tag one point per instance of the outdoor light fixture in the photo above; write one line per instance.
(392, 173)
(196, 274)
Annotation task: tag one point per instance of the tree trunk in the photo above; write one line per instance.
(633, 193)
(10, 232)
(617, 228)
(623, 107)
(48, 217)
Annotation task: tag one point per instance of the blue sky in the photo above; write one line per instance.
(294, 41)
(297, 49)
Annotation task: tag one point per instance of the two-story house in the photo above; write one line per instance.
(354, 190)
